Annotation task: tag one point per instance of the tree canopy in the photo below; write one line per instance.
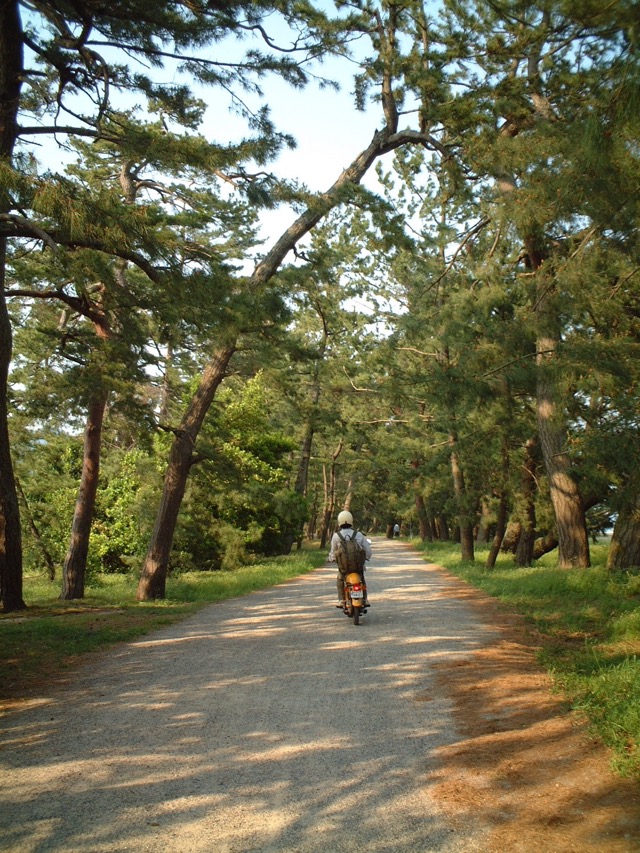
(452, 346)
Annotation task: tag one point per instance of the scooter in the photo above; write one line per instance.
(355, 596)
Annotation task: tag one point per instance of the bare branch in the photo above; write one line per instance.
(418, 351)
(355, 387)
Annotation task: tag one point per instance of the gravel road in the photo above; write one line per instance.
(267, 723)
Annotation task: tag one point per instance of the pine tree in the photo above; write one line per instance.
(70, 85)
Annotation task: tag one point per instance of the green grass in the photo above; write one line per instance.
(41, 643)
(588, 622)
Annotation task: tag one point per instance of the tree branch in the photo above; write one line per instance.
(15, 226)
(383, 142)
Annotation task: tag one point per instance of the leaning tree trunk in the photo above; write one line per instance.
(545, 544)
(153, 578)
(75, 564)
(501, 526)
(11, 76)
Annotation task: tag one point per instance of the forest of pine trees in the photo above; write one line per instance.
(456, 349)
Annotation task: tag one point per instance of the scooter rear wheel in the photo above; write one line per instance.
(356, 615)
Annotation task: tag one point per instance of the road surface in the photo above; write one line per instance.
(266, 723)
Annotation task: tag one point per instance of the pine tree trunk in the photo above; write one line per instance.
(165, 395)
(424, 528)
(459, 488)
(11, 64)
(75, 564)
(302, 477)
(484, 528)
(329, 496)
(624, 552)
(511, 537)
(573, 538)
(442, 527)
(10, 532)
(526, 542)
(544, 545)
(503, 507)
(153, 578)
(501, 526)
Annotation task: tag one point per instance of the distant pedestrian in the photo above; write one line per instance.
(396, 530)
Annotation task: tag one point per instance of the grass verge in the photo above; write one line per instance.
(588, 621)
(40, 644)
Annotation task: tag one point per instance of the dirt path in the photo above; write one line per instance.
(271, 723)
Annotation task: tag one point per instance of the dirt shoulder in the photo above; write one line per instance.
(526, 765)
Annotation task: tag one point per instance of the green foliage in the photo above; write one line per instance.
(118, 537)
(408, 326)
(238, 503)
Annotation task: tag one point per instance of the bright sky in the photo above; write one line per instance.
(329, 131)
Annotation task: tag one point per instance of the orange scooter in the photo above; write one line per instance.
(355, 596)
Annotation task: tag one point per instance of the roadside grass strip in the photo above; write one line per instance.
(588, 624)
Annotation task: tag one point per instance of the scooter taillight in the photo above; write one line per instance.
(356, 587)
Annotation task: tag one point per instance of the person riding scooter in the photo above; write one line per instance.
(345, 526)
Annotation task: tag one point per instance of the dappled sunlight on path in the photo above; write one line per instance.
(266, 723)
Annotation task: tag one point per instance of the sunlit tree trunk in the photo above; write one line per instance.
(573, 539)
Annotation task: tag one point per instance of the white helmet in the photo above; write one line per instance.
(345, 517)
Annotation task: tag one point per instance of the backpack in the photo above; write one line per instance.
(350, 555)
